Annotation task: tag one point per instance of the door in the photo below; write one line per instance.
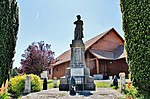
(103, 68)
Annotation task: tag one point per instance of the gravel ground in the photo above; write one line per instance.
(54, 93)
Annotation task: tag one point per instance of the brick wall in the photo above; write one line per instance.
(60, 70)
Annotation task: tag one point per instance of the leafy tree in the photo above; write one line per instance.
(38, 57)
(14, 72)
(136, 26)
(9, 22)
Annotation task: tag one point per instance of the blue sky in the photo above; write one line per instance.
(52, 21)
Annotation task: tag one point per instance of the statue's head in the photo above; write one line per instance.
(78, 17)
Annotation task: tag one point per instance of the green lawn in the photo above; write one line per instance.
(100, 84)
(50, 83)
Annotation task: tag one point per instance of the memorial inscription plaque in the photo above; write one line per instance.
(77, 72)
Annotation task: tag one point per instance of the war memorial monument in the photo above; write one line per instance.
(77, 77)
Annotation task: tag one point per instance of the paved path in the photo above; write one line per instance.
(54, 93)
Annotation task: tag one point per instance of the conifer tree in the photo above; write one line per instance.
(9, 22)
(136, 26)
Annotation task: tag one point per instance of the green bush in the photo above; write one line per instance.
(136, 27)
(36, 83)
(17, 84)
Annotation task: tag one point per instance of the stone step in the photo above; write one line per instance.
(54, 93)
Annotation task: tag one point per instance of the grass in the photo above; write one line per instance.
(62, 94)
(50, 84)
(100, 84)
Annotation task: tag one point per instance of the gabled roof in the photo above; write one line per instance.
(65, 57)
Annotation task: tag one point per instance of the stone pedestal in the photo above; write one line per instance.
(111, 80)
(27, 85)
(122, 82)
(77, 69)
(55, 82)
(44, 75)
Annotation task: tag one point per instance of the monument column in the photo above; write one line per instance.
(77, 69)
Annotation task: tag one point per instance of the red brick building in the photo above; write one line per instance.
(104, 55)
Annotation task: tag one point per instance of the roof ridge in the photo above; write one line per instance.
(96, 38)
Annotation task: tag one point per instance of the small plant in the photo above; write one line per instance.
(5, 95)
(3, 91)
(131, 92)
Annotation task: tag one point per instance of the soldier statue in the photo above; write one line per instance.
(78, 33)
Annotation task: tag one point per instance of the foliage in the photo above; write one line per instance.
(5, 95)
(136, 26)
(131, 91)
(4, 88)
(3, 91)
(14, 72)
(36, 83)
(38, 57)
(17, 84)
(9, 23)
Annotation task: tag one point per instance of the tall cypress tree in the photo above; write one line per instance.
(9, 22)
(136, 26)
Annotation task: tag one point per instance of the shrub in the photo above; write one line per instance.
(36, 83)
(17, 84)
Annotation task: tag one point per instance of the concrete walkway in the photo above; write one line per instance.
(54, 93)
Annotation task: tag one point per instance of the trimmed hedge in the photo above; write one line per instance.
(9, 23)
(17, 84)
(136, 26)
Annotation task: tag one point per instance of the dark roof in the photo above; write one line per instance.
(65, 57)
(109, 55)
